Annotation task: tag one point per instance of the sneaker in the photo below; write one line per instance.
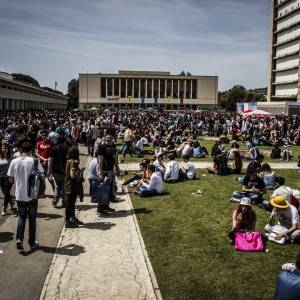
(3, 211)
(109, 209)
(235, 200)
(70, 224)
(34, 246)
(19, 244)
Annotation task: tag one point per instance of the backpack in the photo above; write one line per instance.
(36, 182)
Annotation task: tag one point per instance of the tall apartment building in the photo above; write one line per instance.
(284, 56)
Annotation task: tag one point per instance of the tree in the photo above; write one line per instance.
(73, 93)
(25, 79)
(228, 99)
(182, 73)
(188, 74)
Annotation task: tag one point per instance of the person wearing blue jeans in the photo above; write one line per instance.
(155, 185)
(27, 208)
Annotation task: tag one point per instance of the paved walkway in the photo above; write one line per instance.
(106, 258)
(203, 165)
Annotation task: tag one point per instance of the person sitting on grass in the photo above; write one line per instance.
(237, 164)
(172, 170)
(159, 165)
(287, 217)
(268, 176)
(198, 151)
(253, 187)
(153, 187)
(276, 152)
(255, 165)
(188, 169)
(243, 219)
(288, 282)
(137, 176)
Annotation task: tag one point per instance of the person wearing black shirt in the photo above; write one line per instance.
(108, 162)
(255, 165)
(254, 186)
(57, 165)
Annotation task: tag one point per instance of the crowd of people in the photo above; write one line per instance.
(40, 146)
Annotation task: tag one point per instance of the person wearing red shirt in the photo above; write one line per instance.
(43, 148)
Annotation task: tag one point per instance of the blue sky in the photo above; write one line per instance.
(57, 39)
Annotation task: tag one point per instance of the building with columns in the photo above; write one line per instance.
(15, 95)
(284, 66)
(135, 88)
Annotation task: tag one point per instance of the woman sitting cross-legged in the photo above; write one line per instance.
(137, 176)
(152, 188)
(243, 219)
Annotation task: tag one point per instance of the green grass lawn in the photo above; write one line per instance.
(208, 145)
(186, 239)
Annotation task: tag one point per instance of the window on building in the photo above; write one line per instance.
(109, 86)
(149, 88)
(129, 87)
(123, 88)
(162, 88)
(175, 88)
(169, 88)
(143, 88)
(136, 88)
(116, 86)
(103, 87)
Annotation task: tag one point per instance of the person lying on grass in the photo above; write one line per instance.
(243, 219)
(153, 187)
(287, 217)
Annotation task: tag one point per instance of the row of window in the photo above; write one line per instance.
(10, 104)
(289, 10)
(151, 88)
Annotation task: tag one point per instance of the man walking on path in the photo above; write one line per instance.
(57, 165)
(19, 170)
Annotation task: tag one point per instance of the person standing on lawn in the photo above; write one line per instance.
(108, 169)
(19, 171)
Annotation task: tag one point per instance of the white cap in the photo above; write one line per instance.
(245, 201)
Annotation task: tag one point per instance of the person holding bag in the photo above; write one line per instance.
(71, 187)
(243, 219)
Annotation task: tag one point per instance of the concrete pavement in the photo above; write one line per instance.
(106, 258)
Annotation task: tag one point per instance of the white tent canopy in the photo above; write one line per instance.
(257, 112)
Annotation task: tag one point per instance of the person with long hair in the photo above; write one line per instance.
(243, 219)
(71, 187)
(5, 184)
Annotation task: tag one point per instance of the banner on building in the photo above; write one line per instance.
(155, 100)
(181, 100)
(112, 98)
(243, 107)
(143, 100)
(129, 99)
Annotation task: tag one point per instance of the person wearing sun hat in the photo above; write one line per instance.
(243, 218)
(286, 216)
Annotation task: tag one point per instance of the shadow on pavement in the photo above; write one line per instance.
(6, 236)
(48, 216)
(98, 225)
(126, 213)
(69, 250)
(84, 207)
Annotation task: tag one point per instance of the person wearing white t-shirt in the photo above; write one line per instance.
(287, 217)
(19, 171)
(172, 170)
(188, 168)
(155, 185)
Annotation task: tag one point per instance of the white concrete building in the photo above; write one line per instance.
(284, 56)
(15, 95)
(133, 88)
